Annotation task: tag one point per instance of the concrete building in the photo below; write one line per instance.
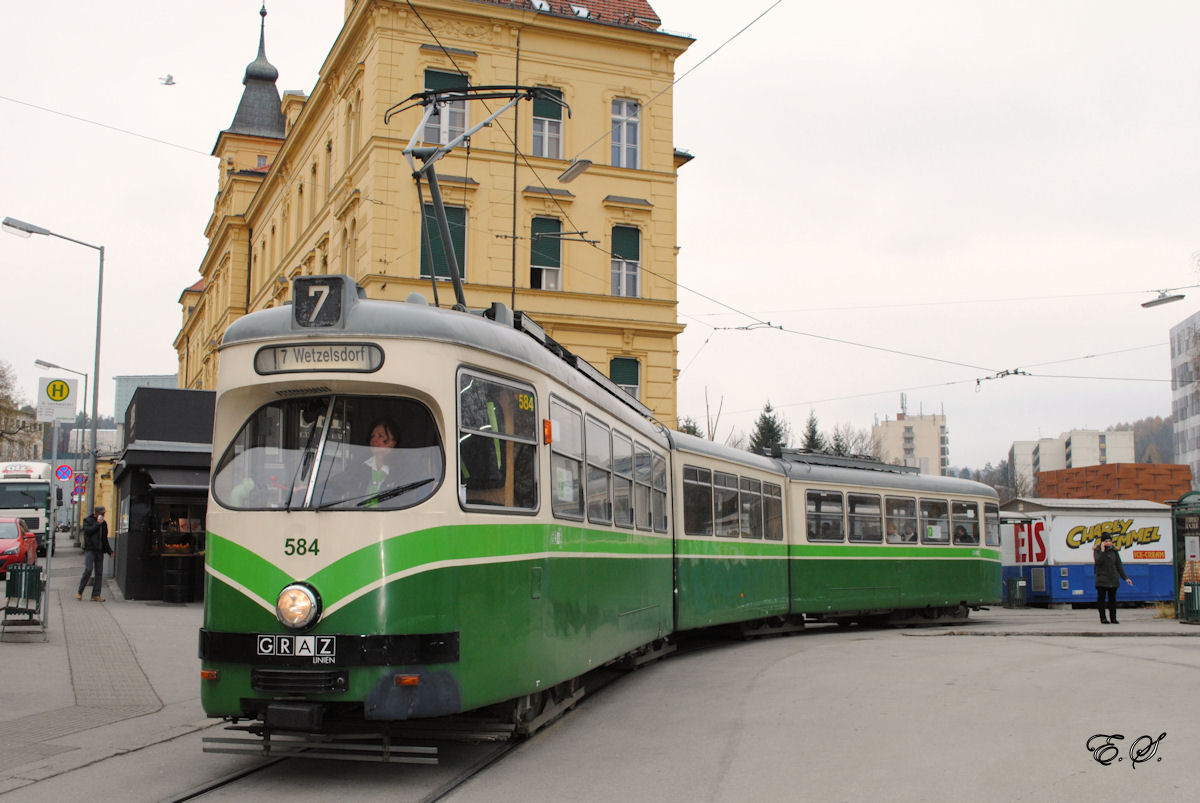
(1074, 449)
(1185, 393)
(318, 184)
(914, 440)
(1020, 467)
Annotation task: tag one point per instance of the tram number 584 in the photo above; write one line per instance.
(301, 546)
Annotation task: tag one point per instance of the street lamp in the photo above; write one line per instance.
(23, 229)
(1162, 298)
(54, 366)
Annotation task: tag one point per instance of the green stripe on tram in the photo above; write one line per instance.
(476, 543)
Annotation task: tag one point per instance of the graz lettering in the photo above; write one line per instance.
(321, 649)
(1121, 530)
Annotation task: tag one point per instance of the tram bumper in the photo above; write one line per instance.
(413, 695)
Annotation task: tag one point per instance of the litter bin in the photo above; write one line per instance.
(1189, 610)
(1016, 596)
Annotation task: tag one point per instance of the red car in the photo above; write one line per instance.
(17, 545)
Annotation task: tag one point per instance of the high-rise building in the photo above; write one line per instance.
(1185, 393)
(919, 440)
(1074, 449)
(318, 183)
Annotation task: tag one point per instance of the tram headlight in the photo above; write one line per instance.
(298, 606)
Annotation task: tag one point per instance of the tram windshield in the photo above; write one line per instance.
(332, 452)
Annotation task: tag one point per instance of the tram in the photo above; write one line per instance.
(417, 512)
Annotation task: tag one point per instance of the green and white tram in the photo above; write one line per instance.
(417, 512)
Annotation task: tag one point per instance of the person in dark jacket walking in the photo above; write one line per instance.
(1109, 573)
(95, 547)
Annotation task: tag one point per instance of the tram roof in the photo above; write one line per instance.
(817, 468)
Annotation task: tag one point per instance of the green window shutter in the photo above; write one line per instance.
(436, 79)
(626, 243)
(545, 251)
(456, 216)
(548, 108)
(624, 370)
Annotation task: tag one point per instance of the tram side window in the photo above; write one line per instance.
(752, 508)
(901, 516)
(935, 521)
(824, 510)
(964, 518)
(599, 472)
(641, 499)
(497, 443)
(697, 501)
(658, 493)
(725, 504)
(566, 461)
(772, 511)
(991, 524)
(866, 523)
(622, 480)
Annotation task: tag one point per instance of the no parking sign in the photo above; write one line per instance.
(63, 473)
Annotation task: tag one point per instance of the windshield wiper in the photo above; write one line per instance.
(382, 496)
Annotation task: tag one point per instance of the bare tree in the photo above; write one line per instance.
(855, 441)
(11, 424)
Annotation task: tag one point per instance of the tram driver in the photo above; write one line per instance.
(364, 480)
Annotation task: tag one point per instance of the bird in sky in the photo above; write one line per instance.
(167, 80)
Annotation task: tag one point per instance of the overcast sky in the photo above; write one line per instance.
(960, 189)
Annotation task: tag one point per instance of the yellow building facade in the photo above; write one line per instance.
(319, 184)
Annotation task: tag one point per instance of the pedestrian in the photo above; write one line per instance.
(95, 547)
(1109, 573)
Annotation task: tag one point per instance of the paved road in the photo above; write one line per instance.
(108, 709)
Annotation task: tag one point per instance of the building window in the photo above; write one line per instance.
(262, 161)
(328, 168)
(448, 119)
(456, 216)
(545, 261)
(547, 126)
(625, 115)
(626, 258)
(625, 373)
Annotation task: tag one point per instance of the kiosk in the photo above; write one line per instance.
(161, 490)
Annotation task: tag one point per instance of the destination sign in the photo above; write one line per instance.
(300, 357)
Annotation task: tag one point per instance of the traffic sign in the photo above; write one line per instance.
(56, 399)
(80, 480)
(63, 473)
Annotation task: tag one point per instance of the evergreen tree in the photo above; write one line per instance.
(771, 432)
(812, 440)
(688, 424)
(838, 444)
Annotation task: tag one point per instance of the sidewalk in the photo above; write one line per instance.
(110, 678)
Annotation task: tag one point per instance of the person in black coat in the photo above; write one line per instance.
(95, 547)
(1109, 573)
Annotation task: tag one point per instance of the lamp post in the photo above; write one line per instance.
(23, 229)
(45, 364)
